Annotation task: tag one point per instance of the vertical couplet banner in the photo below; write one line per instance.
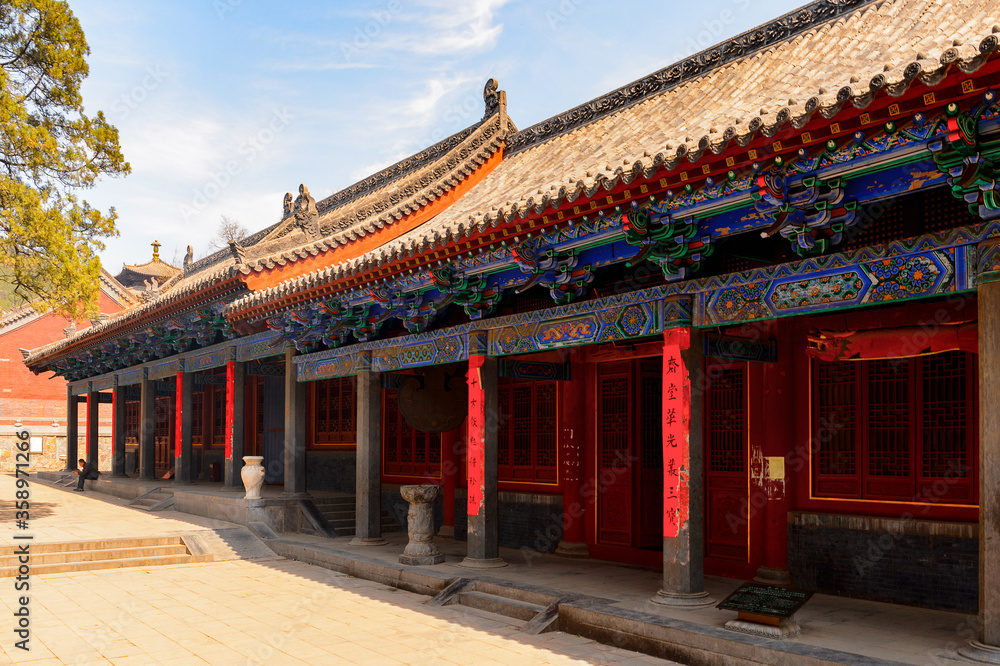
(476, 433)
(230, 406)
(178, 414)
(676, 428)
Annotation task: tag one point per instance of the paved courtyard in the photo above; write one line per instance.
(262, 611)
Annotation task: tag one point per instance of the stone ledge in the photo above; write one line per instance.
(882, 524)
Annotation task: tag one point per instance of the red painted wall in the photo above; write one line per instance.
(39, 399)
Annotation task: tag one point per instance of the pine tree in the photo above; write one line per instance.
(50, 149)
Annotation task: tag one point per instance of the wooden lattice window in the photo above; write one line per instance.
(615, 395)
(651, 412)
(198, 418)
(896, 429)
(527, 430)
(218, 414)
(334, 410)
(405, 451)
(726, 414)
(131, 421)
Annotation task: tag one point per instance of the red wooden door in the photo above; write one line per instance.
(649, 436)
(726, 466)
(164, 434)
(614, 453)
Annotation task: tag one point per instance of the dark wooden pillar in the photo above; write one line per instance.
(118, 420)
(987, 648)
(147, 430)
(93, 426)
(369, 461)
(183, 467)
(235, 419)
(72, 430)
(481, 464)
(683, 481)
(295, 428)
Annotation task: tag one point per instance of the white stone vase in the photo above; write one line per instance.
(253, 475)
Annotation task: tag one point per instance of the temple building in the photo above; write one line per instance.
(723, 320)
(36, 403)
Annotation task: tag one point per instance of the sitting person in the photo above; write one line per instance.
(86, 471)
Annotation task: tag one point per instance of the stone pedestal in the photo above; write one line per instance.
(420, 526)
(572, 549)
(252, 475)
(785, 628)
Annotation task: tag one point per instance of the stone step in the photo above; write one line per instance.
(92, 555)
(519, 610)
(105, 544)
(104, 554)
(67, 567)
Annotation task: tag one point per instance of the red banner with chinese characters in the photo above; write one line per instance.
(476, 435)
(230, 406)
(178, 414)
(676, 429)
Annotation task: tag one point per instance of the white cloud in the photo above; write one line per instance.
(450, 28)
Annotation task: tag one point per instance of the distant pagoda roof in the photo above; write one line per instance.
(135, 277)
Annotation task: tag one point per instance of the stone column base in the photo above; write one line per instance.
(771, 576)
(421, 559)
(981, 652)
(482, 563)
(683, 599)
(447, 531)
(785, 629)
(367, 541)
(572, 549)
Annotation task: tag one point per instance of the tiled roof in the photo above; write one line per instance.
(17, 314)
(386, 197)
(135, 276)
(676, 115)
(360, 209)
(120, 320)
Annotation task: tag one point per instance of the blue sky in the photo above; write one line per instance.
(225, 105)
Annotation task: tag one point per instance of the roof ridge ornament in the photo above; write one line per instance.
(496, 101)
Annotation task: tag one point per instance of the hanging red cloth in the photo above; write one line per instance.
(901, 342)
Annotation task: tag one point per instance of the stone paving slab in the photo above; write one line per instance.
(270, 612)
(840, 629)
(860, 631)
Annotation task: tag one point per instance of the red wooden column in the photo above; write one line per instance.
(572, 420)
(481, 464)
(683, 471)
(235, 418)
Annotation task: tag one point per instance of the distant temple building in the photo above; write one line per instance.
(38, 404)
(148, 279)
(734, 318)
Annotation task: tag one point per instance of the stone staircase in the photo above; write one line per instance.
(340, 514)
(538, 611)
(46, 558)
(157, 499)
